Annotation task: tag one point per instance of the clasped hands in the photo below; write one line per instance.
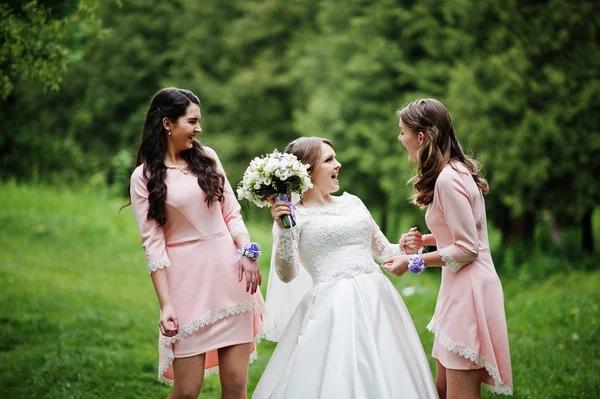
(410, 244)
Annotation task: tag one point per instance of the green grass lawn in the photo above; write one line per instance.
(78, 314)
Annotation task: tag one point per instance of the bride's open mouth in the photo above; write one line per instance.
(335, 178)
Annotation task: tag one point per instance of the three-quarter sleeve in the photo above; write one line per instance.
(230, 206)
(456, 205)
(151, 234)
(285, 256)
(381, 248)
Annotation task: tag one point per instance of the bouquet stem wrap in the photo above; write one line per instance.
(289, 221)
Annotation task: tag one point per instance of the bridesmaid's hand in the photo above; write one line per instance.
(278, 209)
(168, 324)
(411, 241)
(253, 274)
(397, 265)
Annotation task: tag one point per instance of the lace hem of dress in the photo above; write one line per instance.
(270, 335)
(474, 356)
(189, 329)
(450, 262)
(207, 372)
(503, 390)
(159, 264)
(215, 315)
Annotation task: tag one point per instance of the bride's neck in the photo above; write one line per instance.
(315, 197)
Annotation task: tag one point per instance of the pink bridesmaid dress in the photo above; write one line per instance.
(196, 247)
(469, 321)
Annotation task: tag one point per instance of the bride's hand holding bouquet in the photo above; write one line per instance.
(274, 177)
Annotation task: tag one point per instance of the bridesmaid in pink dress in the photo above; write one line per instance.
(191, 229)
(471, 346)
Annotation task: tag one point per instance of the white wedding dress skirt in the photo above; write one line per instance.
(352, 338)
(350, 335)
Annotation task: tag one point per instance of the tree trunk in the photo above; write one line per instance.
(587, 233)
(529, 228)
(555, 231)
(503, 221)
(519, 231)
(384, 217)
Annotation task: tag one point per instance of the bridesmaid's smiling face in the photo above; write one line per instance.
(185, 129)
(410, 140)
(325, 174)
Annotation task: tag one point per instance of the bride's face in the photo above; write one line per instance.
(325, 173)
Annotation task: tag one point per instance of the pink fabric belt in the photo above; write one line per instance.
(198, 240)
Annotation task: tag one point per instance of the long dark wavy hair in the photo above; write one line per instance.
(440, 147)
(172, 103)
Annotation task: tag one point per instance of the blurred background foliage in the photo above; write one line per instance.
(520, 78)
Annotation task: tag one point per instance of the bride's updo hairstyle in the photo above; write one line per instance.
(307, 150)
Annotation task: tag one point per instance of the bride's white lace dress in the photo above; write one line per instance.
(351, 335)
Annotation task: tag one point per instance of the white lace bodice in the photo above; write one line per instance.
(333, 242)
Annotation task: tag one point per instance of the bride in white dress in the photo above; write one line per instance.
(350, 335)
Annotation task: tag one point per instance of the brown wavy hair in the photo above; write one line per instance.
(172, 103)
(440, 147)
(307, 150)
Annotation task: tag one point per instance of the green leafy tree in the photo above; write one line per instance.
(368, 59)
(520, 79)
(38, 42)
(526, 93)
(240, 68)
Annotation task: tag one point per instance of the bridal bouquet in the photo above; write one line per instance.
(275, 173)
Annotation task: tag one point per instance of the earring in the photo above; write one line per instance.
(169, 132)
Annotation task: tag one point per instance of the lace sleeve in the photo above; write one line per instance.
(381, 248)
(283, 296)
(286, 253)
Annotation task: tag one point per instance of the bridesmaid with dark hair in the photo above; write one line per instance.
(198, 251)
